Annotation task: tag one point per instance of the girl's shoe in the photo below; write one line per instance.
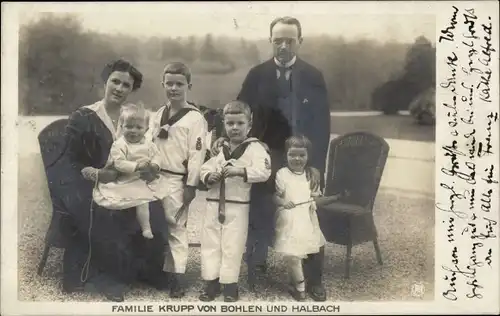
(211, 290)
(231, 292)
(295, 293)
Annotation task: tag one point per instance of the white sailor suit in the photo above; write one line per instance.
(223, 244)
(181, 141)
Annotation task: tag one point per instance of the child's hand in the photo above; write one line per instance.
(229, 171)
(142, 166)
(213, 177)
(154, 168)
(288, 205)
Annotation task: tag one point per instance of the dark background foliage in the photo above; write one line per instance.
(60, 65)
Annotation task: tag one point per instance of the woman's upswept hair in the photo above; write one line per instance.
(125, 66)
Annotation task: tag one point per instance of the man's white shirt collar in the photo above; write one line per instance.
(287, 65)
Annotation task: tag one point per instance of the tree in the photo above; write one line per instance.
(417, 76)
(252, 54)
(190, 52)
(47, 56)
(207, 50)
(420, 67)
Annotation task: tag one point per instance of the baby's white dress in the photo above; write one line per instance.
(297, 229)
(129, 190)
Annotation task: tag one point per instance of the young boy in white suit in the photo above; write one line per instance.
(179, 131)
(229, 177)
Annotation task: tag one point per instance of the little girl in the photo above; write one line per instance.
(131, 154)
(297, 228)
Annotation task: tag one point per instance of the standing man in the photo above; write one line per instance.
(288, 97)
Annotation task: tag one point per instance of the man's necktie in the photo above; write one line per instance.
(222, 192)
(283, 82)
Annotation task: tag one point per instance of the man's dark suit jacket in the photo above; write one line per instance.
(260, 90)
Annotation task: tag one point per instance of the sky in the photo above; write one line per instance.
(398, 21)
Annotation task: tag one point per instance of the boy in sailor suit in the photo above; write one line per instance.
(229, 177)
(179, 131)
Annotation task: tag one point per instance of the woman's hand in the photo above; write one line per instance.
(90, 173)
(107, 175)
(104, 175)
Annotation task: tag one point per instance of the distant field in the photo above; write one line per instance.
(207, 89)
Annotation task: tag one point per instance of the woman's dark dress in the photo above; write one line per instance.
(119, 253)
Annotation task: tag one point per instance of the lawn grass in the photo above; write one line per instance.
(394, 127)
(406, 237)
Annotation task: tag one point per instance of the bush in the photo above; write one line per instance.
(60, 65)
(423, 107)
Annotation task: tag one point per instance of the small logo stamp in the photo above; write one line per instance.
(417, 289)
(267, 163)
(198, 144)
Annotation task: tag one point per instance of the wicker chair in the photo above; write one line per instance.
(355, 164)
(52, 146)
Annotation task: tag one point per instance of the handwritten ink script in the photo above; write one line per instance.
(468, 192)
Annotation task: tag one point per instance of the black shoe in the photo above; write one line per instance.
(71, 288)
(296, 294)
(317, 293)
(177, 286)
(231, 292)
(114, 296)
(211, 290)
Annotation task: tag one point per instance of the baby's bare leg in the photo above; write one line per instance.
(143, 218)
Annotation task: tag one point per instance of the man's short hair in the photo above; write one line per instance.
(177, 68)
(238, 107)
(286, 20)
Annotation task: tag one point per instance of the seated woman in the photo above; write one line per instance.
(104, 247)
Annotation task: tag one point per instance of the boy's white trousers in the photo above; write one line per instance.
(223, 245)
(177, 254)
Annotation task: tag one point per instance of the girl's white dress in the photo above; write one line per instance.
(297, 229)
(129, 190)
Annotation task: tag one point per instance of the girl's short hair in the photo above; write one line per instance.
(136, 111)
(125, 66)
(298, 141)
(238, 107)
(177, 68)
